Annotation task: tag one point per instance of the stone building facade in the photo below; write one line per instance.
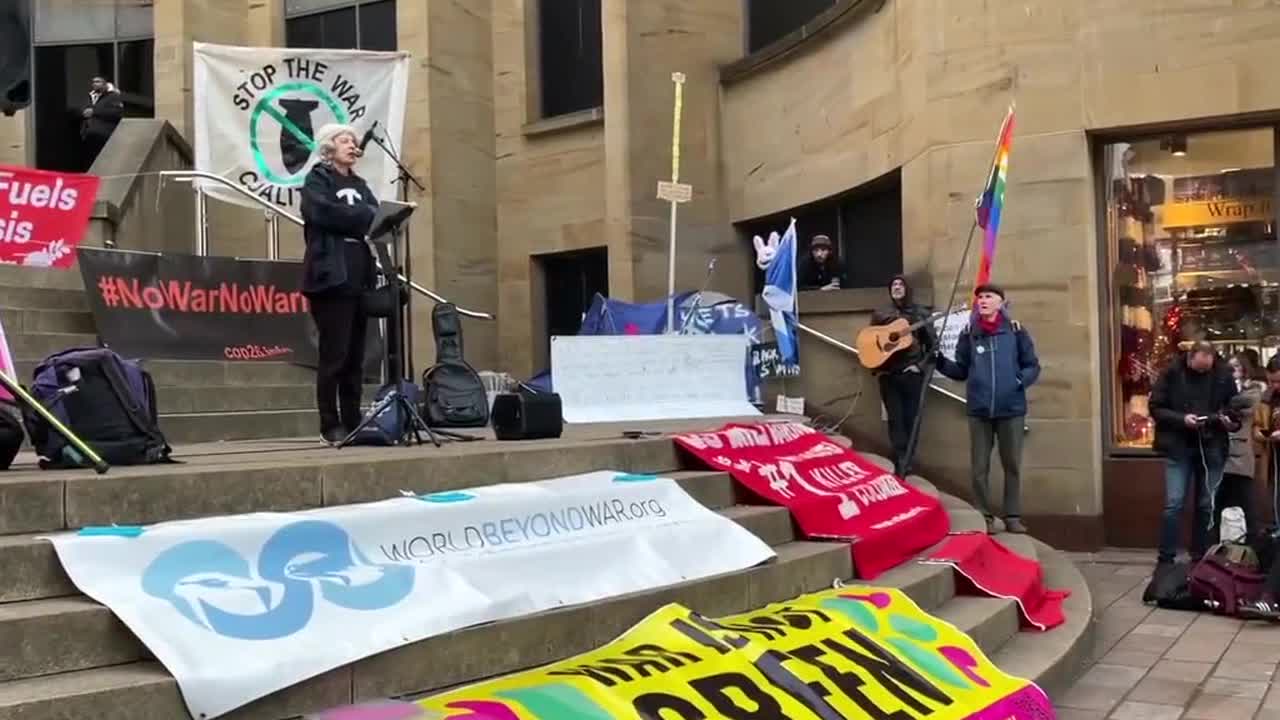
(854, 94)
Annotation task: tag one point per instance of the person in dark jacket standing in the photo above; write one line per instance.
(337, 209)
(100, 117)
(901, 378)
(1191, 405)
(996, 359)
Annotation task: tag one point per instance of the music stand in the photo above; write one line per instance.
(383, 238)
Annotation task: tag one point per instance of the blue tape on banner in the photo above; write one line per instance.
(129, 531)
(447, 497)
(631, 478)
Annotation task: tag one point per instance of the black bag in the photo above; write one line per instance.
(455, 395)
(380, 302)
(1170, 588)
(11, 436)
(107, 401)
(392, 423)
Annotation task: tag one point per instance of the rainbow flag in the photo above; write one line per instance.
(991, 201)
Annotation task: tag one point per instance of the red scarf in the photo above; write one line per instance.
(989, 325)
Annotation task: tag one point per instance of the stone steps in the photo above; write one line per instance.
(18, 321)
(65, 657)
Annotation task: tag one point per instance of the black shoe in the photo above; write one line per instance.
(333, 436)
(1259, 610)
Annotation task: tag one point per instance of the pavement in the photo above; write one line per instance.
(1154, 664)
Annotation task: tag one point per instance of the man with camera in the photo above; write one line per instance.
(1191, 405)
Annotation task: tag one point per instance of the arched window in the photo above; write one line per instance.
(771, 20)
(74, 41)
(341, 24)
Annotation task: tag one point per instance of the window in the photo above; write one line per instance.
(341, 25)
(1191, 253)
(74, 41)
(571, 59)
(864, 225)
(770, 20)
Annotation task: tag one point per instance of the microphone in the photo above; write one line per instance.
(368, 136)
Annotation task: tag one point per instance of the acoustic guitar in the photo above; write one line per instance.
(877, 343)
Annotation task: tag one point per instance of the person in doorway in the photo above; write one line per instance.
(1266, 441)
(996, 359)
(100, 117)
(338, 268)
(820, 270)
(1191, 406)
(901, 378)
(1237, 475)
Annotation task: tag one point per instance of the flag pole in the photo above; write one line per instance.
(930, 363)
(678, 79)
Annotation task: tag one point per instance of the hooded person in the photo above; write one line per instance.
(820, 270)
(902, 376)
(996, 359)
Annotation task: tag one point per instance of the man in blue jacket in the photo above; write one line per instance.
(997, 361)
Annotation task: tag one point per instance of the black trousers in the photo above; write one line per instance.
(342, 324)
(900, 393)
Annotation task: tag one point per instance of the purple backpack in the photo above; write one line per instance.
(107, 401)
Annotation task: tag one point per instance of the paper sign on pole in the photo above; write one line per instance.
(629, 378)
(257, 111)
(242, 606)
(948, 329)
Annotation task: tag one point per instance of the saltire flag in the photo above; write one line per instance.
(780, 295)
(991, 201)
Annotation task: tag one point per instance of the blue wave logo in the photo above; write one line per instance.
(447, 497)
(214, 587)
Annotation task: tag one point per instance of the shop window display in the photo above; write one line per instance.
(1192, 253)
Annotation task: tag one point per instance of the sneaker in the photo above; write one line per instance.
(991, 526)
(1015, 526)
(1260, 610)
(333, 436)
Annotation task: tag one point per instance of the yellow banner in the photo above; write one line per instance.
(1217, 212)
(853, 652)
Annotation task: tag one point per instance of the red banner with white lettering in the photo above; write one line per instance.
(43, 215)
(832, 492)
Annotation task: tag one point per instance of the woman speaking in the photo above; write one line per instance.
(337, 210)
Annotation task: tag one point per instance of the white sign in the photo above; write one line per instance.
(257, 111)
(674, 192)
(631, 378)
(242, 606)
(954, 324)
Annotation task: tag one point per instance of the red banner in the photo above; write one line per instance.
(43, 215)
(832, 492)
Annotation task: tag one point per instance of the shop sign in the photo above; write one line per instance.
(1218, 212)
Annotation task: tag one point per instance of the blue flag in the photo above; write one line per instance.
(780, 295)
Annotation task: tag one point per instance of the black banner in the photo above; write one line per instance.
(768, 364)
(186, 307)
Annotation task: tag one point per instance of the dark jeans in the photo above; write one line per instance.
(900, 393)
(1183, 474)
(341, 323)
(1009, 433)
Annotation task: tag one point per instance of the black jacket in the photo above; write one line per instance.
(912, 312)
(1171, 402)
(812, 276)
(330, 215)
(107, 112)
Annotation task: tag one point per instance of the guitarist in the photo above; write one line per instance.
(902, 375)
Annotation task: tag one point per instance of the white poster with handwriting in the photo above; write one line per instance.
(948, 328)
(631, 378)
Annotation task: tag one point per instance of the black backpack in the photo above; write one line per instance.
(11, 434)
(393, 424)
(1170, 588)
(107, 401)
(455, 395)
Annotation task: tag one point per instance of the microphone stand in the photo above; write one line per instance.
(405, 339)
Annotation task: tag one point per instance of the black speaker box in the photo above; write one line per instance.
(527, 416)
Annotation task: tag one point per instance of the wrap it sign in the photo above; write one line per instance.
(258, 111)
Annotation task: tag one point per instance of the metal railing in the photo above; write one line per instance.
(272, 217)
(854, 351)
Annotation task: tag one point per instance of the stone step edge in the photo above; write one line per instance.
(713, 489)
(95, 638)
(812, 566)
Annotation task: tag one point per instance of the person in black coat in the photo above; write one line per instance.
(901, 377)
(337, 209)
(100, 117)
(1191, 405)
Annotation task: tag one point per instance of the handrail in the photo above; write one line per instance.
(273, 232)
(854, 351)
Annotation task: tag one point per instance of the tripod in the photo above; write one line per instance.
(386, 231)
